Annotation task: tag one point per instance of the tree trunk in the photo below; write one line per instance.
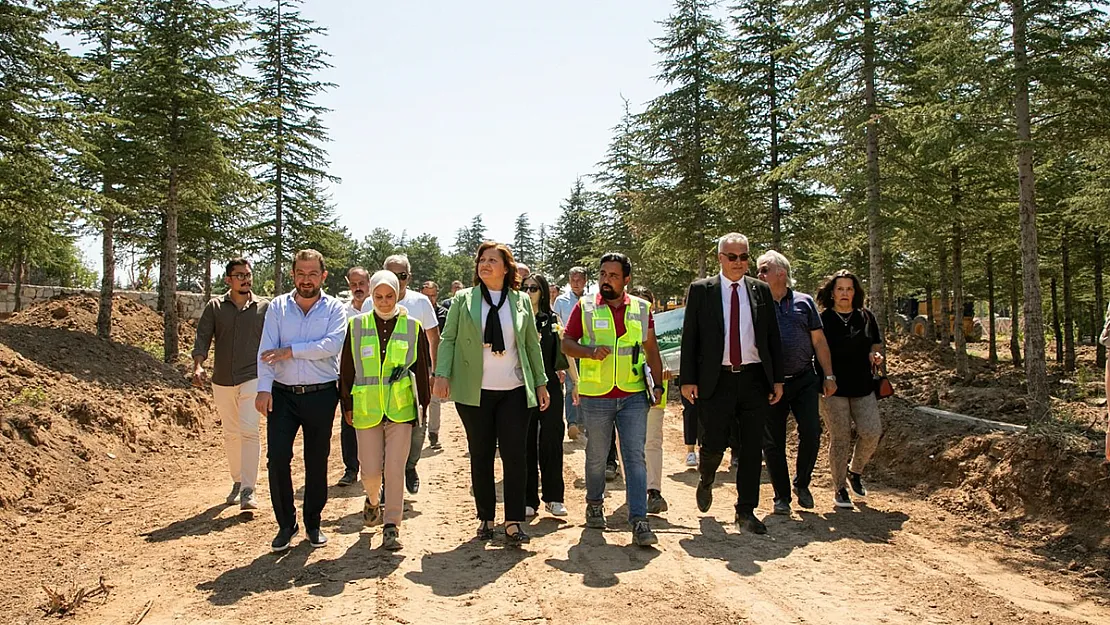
(1036, 371)
(1056, 321)
(992, 333)
(18, 274)
(874, 217)
(962, 369)
(1100, 304)
(279, 182)
(930, 317)
(1069, 313)
(208, 270)
(1015, 326)
(108, 284)
(169, 272)
(943, 323)
(892, 327)
(776, 208)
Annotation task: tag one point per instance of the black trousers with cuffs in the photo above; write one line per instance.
(499, 424)
(738, 406)
(314, 413)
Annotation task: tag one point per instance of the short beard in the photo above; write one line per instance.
(608, 292)
(311, 294)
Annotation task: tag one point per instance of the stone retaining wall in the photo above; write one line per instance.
(189, 305)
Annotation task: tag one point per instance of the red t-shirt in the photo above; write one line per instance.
(573, 329)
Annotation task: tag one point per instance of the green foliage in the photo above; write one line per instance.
(33, 396)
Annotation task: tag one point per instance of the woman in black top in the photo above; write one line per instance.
(545, 429)
(854, 345)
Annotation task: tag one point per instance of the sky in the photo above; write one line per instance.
(444, 110)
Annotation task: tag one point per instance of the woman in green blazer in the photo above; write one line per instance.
(489, 363)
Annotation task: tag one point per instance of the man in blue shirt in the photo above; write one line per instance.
(563, 306)
(298, 367)
(802, 337)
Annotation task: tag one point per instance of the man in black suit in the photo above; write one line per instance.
(732, 369)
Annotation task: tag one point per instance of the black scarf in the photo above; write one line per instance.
(494, 337)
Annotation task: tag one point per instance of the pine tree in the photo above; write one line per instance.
(524, 244)
(287, 130)
(180, 105)
(469, 238)
(571, 236)
(622, 181)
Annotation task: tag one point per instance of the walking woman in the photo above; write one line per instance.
(854, 344)
(545, 429)
(490, 365)
(383, 387)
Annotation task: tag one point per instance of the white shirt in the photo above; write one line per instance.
(748, 349)
(420, 308)
(354, 312)
(501, 373)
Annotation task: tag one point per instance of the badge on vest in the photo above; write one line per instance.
(601, 324)
(367, 351)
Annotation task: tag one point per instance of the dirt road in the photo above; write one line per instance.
(165, 540)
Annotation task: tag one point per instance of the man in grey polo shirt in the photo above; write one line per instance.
(235, 322)
(802, 337)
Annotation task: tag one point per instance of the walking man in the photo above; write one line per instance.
(732, 370)
(358, 283)
(298, 367)
(422, 310)
(613, 334)
(431, 291)
(235, 322)
(563, 306)
(803, 337)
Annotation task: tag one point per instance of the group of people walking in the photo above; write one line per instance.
(515, 354)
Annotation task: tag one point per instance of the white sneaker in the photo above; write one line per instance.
(692, 459)
(247, 500)
(529, 511)
(556, 508)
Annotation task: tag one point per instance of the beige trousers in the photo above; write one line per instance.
(386, 443)
(839, 413)
(653, 448)
(235, 405)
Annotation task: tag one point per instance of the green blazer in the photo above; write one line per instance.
(460, 346)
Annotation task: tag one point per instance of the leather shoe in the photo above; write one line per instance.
(747, 522)
(704, 495)
(284, 536)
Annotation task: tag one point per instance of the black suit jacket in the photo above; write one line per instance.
(703, 333)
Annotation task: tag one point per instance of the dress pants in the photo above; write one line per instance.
(738, 406)
(314, 413)
(800, 396)
(498, 423)
(545, 450)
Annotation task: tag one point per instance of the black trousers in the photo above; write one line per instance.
(689, 423)
(315, 414)
(348, 441)
(800, 396)
(545, 450)
(738, 405)
(499, 422)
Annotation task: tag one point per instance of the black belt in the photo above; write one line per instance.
(798, 374)
(741, 368)
(303, 389)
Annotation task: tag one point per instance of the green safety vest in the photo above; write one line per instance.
(618, 370)
(374, 396)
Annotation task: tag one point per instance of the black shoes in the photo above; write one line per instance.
(485, 531)
(412, 481)
(611, 471)
(316, 538)
(704, 495)
(284, 536)
(433, 440)
(595, 516)
(655, 502)
(805, 498)
(517, 537)
(747, 522)
(842, 500)
(348, 478)
(856, 480)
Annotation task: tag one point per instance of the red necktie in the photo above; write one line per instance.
(734, 329)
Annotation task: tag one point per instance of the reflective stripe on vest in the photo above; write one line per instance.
(596, 378)
(373, 395)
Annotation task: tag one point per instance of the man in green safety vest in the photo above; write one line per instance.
(620, 378)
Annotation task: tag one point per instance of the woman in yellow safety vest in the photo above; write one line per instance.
(384, 390)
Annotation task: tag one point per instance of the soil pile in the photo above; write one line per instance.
(75, 410)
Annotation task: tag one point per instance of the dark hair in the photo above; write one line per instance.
(643, 292)
(310, 254)
(825, 295)
(545, 292)
(617, 257)
(236, 262)
(512, 281)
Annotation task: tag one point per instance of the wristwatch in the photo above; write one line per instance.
(831, 378)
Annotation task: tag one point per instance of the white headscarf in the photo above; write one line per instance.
(388, 278)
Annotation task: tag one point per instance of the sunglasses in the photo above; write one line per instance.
(531, 288)
(732, 258)
(401, 275)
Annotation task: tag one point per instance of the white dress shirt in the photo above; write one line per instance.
(748, 349)
(504, 372)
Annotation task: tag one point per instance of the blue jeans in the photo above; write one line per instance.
(568, 402)
(630, 416)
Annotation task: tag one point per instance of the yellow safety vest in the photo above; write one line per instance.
(373, 394)
(618, 370)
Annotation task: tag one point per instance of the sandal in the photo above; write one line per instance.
(518, 537)
(485, 531)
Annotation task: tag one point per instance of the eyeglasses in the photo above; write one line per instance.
(242, 276)
(732, 258)
(401, 275)
(763, 270)
(531, 288)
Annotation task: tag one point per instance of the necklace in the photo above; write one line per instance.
(844, 319)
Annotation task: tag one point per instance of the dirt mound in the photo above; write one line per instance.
(1050, 486)
(132, 323)
(76, 410)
